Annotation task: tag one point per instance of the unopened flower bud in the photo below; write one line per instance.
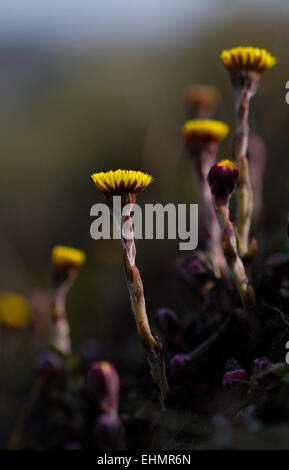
(103, 386)
(168, 322)
(50, 364)
(260, 364)
(222, 179)
(234, 378)
(179, 361)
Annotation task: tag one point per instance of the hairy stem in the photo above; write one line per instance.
(234, 261)
(244, 187)
(152, 345)
(60, 330)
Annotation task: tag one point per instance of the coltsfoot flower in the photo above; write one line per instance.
(222, 179)
(198, 130)
(15, 310)
(127, 183)
(248, 58)
(245, 66)
(202, 139)
(121, 182)
(64, 256)
(66, 263)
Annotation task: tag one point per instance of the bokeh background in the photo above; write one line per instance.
(91, 85)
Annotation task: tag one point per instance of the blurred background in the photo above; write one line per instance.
(91, 86)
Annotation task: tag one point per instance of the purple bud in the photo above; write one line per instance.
(260, 364)
(49, 363)
(103, 386)
(222, 179)
(109, 432)
(168, 322)
(193, 270)
(179, 361)
(234, 378)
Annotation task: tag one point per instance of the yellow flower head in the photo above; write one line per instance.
(248, 58)
(15, 310)
(121, 181)
(204, 130)
(64, 256)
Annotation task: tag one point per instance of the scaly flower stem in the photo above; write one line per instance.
(244, 187)
(209, 222)
(60, 334)
(152, 345)
(234, 261)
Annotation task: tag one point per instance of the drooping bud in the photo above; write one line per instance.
(260, 364)
(222, 179)
(103, 386)
(234, 379)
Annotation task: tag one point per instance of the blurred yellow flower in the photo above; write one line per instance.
(121, 181)
(203, 94)
(63, 256)
(248, 58)
(15, 310)
(203, 130)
